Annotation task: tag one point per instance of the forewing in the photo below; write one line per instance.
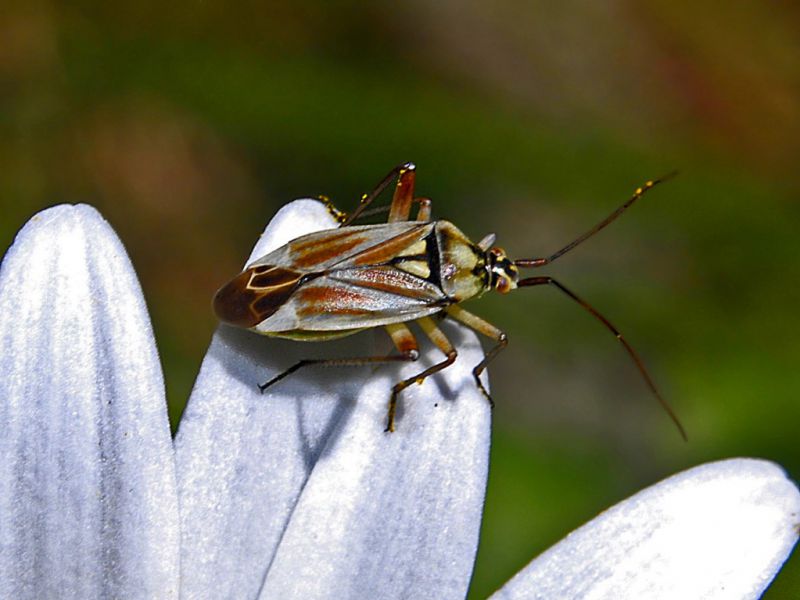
(393, 243)
(392, 281)
(324, 250)
(348, 278)
(356, 298)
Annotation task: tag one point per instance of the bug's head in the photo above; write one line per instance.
(503, 273)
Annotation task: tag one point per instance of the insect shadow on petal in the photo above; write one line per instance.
(336, 282)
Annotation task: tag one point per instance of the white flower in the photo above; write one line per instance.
(297, 493)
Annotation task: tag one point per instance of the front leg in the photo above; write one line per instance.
(487, 329)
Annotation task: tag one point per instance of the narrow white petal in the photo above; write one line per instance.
(88, 501)
(303, 478)
(717, 531)
(393, 515)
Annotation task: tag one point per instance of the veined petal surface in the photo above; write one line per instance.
(299, 493)
(88, 501)
(718, 531)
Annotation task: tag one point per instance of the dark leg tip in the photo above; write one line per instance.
(483, 389)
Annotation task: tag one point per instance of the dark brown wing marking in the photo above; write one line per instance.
(255, 294)
(266, 276)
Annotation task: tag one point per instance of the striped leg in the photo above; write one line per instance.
(437, 337)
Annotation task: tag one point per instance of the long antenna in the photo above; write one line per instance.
(531, 281)
(640, 191)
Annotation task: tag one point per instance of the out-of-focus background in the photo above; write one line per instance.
(187, 124)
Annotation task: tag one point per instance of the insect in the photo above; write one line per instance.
(340, 281)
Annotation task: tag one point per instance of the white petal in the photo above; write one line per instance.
(88, 502)
(307, 466)
(721, 530)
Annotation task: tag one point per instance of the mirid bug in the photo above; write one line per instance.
(340, 281)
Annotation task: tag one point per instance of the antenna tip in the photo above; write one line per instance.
(670, 175)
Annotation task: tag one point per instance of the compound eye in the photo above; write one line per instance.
(503, 284)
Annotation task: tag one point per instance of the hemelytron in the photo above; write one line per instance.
(340, 281)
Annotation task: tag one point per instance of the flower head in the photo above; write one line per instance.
(296, 493)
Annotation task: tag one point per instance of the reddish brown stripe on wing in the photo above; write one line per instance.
(386, 251)
(322, 249)
(254, 295)
(338, 300)
(313, 240)
(390, 280)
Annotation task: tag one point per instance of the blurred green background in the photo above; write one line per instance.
(188, 124)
